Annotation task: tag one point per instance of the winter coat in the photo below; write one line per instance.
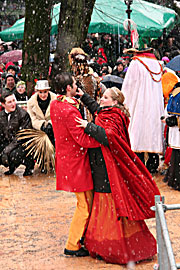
(12, 90)
(73, 172)
(20, 97)
(36, 114)
(19, 119)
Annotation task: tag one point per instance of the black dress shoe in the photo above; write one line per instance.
(78, 253)
(165, 180)
(44, 171)
(27, 172)
(9, 172)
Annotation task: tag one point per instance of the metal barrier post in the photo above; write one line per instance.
(166, 258)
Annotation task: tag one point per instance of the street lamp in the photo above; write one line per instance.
(128, 11)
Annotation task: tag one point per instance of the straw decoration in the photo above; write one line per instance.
(38, 144)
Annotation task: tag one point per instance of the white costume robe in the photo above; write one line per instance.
(144, 98)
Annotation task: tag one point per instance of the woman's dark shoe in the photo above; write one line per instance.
(78, 253)
(98, 257)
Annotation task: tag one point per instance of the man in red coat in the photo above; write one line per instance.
(73, 171)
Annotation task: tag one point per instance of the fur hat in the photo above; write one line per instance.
(77, 55)
(12, 67)
(133, 50)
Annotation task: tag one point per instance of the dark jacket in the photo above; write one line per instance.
(98, 166)
(20, 97)
(19, 119)
(12, 90)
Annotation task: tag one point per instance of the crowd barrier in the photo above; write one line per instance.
(166, 260)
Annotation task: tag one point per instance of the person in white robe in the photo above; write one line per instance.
(143, 93)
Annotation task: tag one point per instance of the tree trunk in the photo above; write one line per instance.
(74, 21)
(36, 46)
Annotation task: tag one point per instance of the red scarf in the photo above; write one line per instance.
(132, 186)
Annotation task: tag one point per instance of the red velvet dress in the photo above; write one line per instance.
(117, 231)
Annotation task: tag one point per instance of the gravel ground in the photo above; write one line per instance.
(35, 219)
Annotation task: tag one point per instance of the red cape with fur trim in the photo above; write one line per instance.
(132, 186)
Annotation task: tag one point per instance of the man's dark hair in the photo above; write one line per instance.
(12, 67)
(61, 82)
(4, 95)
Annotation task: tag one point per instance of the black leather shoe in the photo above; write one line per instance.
(165, 180)
(27, 172)
(9, 172)
(44, 171)
(78, 253)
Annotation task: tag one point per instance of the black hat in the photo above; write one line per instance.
(119, 63)
(9, 75)
(12, 67)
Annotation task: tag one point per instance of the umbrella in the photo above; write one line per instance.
(174, 64)
(13, 56)
(112, 80)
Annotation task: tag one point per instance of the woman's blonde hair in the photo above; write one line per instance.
(116, 94)
(20, 83)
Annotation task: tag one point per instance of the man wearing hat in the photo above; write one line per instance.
(143, 93)
(38, 106)
(13, 70)
(10, 84)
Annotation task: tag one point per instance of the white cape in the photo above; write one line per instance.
(144, 98)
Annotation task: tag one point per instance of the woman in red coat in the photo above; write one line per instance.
(124, 189)
(73, 172)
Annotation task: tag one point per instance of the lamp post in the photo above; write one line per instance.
(128, 11)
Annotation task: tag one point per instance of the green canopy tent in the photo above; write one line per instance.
(108, 17)
(16, 31)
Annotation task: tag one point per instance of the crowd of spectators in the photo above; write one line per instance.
(105, 58)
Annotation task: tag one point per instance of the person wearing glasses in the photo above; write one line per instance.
(20, 92)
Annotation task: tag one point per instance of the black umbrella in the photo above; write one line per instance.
(174, 64)
(112, 80)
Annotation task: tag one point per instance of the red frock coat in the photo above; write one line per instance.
(73, 172)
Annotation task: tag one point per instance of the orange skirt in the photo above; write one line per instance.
(117, 241)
